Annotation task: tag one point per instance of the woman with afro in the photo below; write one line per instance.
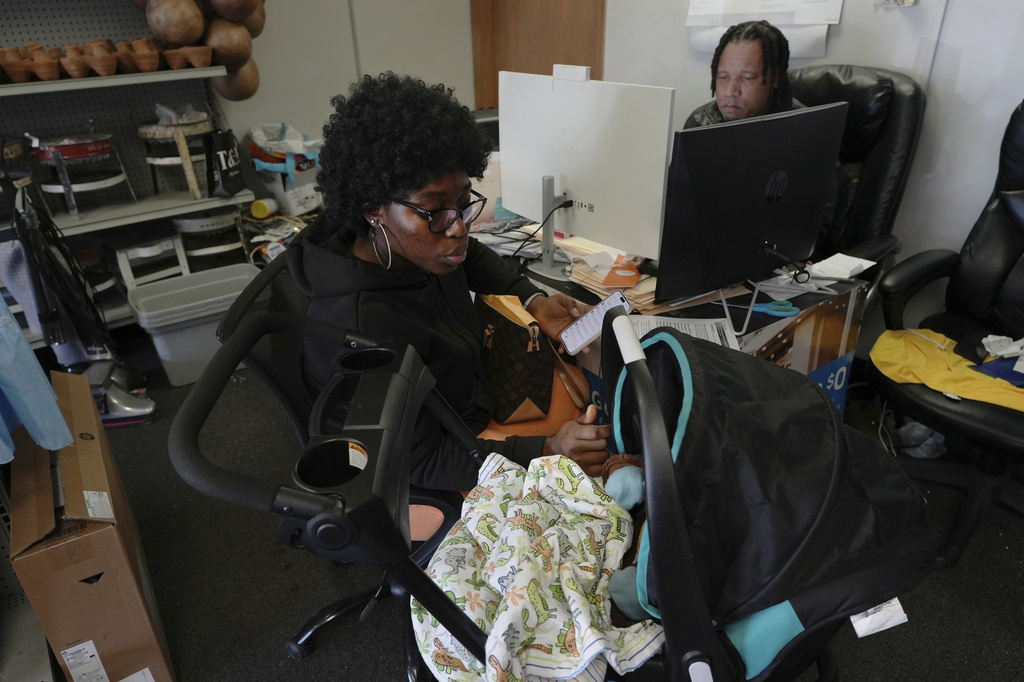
(391, 257)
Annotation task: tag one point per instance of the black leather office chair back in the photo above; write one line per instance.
(988, 284)
(984, 295)
(882, 128)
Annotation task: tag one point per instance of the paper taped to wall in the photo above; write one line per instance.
(805, 42)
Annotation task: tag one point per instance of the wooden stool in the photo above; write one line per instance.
(178, 134)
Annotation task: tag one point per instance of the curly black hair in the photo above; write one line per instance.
(391, 136)
(774, 55)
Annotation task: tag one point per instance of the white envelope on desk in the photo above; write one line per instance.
(840, 266)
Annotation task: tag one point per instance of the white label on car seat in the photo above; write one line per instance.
(357, 456)
(878, 618)
(98, 504)
(84, 663)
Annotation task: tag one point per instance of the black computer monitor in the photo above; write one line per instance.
(745, 197)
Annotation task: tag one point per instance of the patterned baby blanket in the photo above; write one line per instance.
(529, 561)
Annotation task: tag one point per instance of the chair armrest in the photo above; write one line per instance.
(880, 249)
(875, 248)
(908, 277)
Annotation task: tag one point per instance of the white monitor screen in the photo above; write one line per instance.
(607, 145)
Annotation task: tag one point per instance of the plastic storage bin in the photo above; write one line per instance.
(181, 314)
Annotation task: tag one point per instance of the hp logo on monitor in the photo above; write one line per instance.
(776, 187)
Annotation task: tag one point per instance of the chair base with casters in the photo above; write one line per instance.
(984, 473)
(303, 642)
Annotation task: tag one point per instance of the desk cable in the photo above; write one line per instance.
(565, 204)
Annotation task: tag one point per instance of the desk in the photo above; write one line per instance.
(820, 342)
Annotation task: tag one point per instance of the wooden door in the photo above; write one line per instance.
(531, 36)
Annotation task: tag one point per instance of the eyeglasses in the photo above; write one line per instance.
(440, 220)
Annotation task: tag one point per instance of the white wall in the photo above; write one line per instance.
(311, 50)
(305, 56)
(428, 39)
(975, 84)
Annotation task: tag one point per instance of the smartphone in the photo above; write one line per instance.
(580, 333)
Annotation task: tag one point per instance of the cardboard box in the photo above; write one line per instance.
(76, 551)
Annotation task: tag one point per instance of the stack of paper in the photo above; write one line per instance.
(715, 331)
(591, 277)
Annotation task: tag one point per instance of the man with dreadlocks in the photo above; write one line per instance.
(749, 76)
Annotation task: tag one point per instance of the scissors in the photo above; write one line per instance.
(777, 309)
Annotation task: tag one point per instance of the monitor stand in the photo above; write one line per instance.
(750, 309)
(546, 266)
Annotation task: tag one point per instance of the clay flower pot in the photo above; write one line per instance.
(125, 58)
(13, 64)
(73, 62)
(198, 56)
(46, 67)
(40, 62)
(145, 54)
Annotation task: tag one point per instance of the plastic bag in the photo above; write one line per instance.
(280, 148)
(283, 139)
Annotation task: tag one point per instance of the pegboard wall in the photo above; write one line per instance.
(56, 23)
(117, 111)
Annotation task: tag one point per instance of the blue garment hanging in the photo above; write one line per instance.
(26, 396)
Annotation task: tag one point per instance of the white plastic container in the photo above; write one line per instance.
(181, 314)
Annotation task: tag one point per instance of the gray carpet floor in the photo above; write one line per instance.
(230, 594)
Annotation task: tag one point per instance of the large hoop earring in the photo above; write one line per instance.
(373, 242)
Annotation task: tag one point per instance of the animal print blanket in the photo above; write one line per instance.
(529, 561)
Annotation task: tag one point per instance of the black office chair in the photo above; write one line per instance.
(984, 295)
(882, 128)
(277, 359)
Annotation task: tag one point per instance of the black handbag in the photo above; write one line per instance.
(223, 164)
(518, 360)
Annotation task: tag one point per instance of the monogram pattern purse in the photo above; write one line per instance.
(518, 361)
(520, 364)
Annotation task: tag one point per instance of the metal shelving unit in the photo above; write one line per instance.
(116, 105)
(66, 106)
(117, 80)
(163, 205)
